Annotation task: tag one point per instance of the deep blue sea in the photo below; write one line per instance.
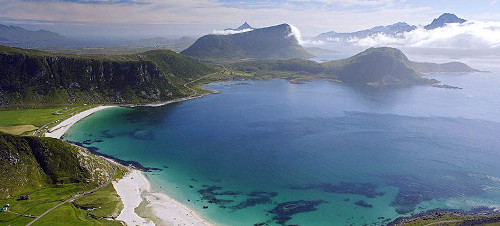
(319, 153)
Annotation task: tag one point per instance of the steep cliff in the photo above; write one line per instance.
(29, 77)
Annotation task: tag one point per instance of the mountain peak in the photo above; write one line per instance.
(244, 26)
(275, 42)
(445, 18)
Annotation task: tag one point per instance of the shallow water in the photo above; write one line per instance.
(318, 153)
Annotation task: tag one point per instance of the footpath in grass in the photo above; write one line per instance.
(99, 208)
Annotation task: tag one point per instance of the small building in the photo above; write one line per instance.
(7, 205)
(3, 209)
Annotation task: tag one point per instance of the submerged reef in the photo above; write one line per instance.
(284, 211)
(365, 189)
(256, 198)
(413, 190)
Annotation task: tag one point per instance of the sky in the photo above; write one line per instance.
(175, 18)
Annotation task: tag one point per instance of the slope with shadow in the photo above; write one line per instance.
(277, 42)
(28, 163)
(34, 78)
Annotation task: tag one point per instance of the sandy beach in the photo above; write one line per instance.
(61, 128)
(134, 189)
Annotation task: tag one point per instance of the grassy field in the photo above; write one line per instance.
(453, 218)
(94, 209)
(26, 121)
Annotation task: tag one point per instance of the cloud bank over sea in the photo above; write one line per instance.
(469, 35)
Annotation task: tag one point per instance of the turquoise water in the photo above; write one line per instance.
(318, 153)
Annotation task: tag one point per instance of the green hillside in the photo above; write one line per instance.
(50, 171)
(35, 78)
(33, 162)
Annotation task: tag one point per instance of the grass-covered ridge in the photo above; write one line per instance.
(33, 162)
(51, 171)
(35, 78)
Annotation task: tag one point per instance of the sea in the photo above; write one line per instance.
(320, 153)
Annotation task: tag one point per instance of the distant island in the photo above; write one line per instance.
(374, 66)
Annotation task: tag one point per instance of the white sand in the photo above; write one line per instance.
(59, 130)
(135, 187)
(130, 189)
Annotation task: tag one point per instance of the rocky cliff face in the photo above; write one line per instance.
(36, 79)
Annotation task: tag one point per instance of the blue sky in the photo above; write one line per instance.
(147, 18)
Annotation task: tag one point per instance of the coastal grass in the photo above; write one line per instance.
(448, 218)
(68, 214)
(40, 200)
(18, 130)
(26, 121)
(103, 204)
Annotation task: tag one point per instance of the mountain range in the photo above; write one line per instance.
(276, 42)
(393, 30)
(20, 37)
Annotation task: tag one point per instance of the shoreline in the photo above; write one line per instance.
(60, 129)
(144, 207)
(134, 188)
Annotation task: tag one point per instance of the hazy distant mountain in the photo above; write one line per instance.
(276, 42)
(244, 26)
(161, 41)
(441, 21)
(18, 36)
(176, 45)
(391, 30)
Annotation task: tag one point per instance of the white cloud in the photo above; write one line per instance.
(296, 33)
(472, 34)
(230, 31)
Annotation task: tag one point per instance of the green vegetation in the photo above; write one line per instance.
(35, 162)
(277, 42)
(30, 78)
(450, 219)
(27, 121)
(51, 171)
